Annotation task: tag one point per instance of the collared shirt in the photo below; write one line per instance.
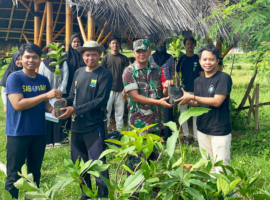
(147, 82)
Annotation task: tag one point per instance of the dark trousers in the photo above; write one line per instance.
(55, 131)
(90, 146)
(19, 149)
(168, 116)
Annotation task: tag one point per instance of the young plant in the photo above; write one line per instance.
(58, 55)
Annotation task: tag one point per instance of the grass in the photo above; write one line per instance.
(250, 152)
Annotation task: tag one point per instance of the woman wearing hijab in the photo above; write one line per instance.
(55, 133)
(74, 58)
(14, 65)
(166, 62)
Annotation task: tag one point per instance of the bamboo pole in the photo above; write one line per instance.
(42, 26)
(90, 27)
(10, 20)
(82, 29)
(25, 5)
(36, 23)
(257, 106)
(25, 37)
(58, 12)
(102, 31)
(219, 47)
(106, 38)
(49, 28)
(69, 25)
(56, 36)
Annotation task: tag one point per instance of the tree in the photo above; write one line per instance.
(250, 23)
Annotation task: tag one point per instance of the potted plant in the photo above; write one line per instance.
(174, 91)
(58, 57)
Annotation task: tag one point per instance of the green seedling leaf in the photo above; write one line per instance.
(113, 147)
(260, 197)
(172, 126)
(6, 195)
(104, 153)
(153, 167)
(138, 143)
(150, 146)
(147, 127)
(192, 112)
(167, 186)
(94, 173)
(233, 184)
(87, 191)
(115, 142)
(61, 183)
(218, 163)
(127, 150)
(19, 184)
(201, 184)
(53, 63)
(128, 169)
(159, 146)
(129, 133)
(145, 168)
(199, 164)
(154, 137)
(136, 129)
(178, 162)
(171, 141)
(152, 180)
(194, 193)
(223, 186)
(133, 181)
(33, 195)
(85, 167)
(125, 139)
(29, 186)
(24, 170)
(204, 152)
(204, 175)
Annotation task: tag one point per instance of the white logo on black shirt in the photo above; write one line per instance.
(211, 89)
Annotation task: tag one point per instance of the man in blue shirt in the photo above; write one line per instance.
(28, 95)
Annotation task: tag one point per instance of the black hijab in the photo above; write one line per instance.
(48, 60)
(12, 67)
(161, 57)
(74, 60)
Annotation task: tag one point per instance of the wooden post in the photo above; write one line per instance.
(102, 31)
(90, 27)
(25, 5)
(257, 106)
(82, 29)
(69, 25)
(56, 36)
(106, 38)
(36, 23)
(25, 37)
(49, 28)
(219, 47)
(42, 26)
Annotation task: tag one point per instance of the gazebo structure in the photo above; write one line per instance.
(46, 21)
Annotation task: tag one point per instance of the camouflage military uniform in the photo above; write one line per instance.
(147, 82)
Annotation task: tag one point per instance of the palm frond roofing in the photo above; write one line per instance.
(154, 19)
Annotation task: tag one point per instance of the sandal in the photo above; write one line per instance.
(186, 140)
(57, 145)
(195, 142)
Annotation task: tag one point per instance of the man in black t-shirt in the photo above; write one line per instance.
(212, 91)
(89, 93)
(190, 69)
(116, 63)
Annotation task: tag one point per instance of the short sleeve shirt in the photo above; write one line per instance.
(217, 121)
(28, 122)
(190, 68)
(148, 83)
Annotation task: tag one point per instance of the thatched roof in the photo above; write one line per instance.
(136, 18)
(153, 18)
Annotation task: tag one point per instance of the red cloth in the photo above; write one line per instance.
(162, 78)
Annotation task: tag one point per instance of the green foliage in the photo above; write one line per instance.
(76, 173)
(7, 60)
(249, 19)
(58, 55)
